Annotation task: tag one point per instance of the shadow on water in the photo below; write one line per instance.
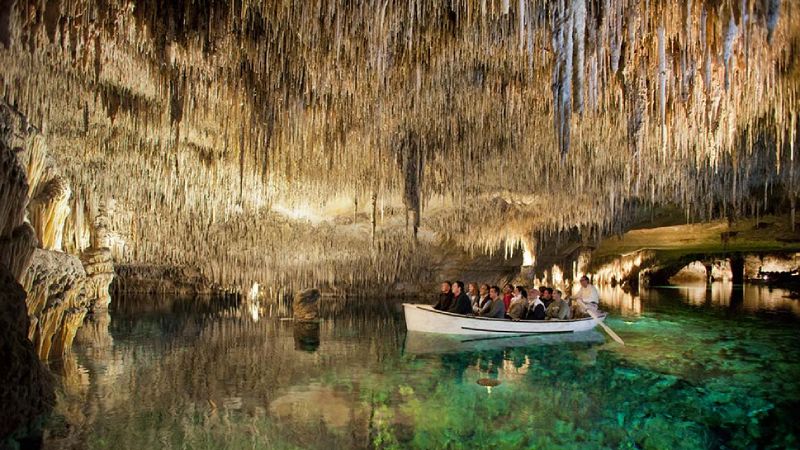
(702, 369)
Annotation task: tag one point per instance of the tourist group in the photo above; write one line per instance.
(516, 302)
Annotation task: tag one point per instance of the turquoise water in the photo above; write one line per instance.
(702, 368)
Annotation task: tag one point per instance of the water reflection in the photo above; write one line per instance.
(749, 298)
(620, 301)
(164, 373)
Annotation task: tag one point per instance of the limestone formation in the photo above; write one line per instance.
(25, 385)
(56, 301)
(305, 306)
(17, 239)
(99, 268)
(26, 390)
(233, 137)
(49, 210)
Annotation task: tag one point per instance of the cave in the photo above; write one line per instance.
(218, 215)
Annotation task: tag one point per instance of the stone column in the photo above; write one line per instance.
(99, 267)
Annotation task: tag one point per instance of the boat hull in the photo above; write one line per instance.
(419, 343)
(421, 317)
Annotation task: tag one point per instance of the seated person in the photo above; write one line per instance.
(484, 301)
(461, 303)
(508, 295)
(579, 309)
(536, 309)
(559, 309)
(474, 296)
(587, 294)
(547, 295)
(519, 304)
(498, 308)
(445, 297)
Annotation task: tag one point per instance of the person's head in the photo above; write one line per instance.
(546, 292)
(522, 292)
(494, 291)
(584, 281)
(473, 288)
(484, 289)
(516, 290)
(508, 288)
(446, 286)
(458, 287)
(557, 295)
(534, 293)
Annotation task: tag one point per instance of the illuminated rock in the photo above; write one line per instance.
(56, 301)
(99, 269)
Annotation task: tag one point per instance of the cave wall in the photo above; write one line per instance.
(61, 286)
(471, 121)
(26, 391)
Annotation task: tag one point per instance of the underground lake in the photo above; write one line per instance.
(703, 367)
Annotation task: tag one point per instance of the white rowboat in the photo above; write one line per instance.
(421, 317)
(418, 343)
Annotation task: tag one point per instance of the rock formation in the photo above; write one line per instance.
(56, 301)
(25, 385)
(305, 305)
(26, 391)
(233, 137)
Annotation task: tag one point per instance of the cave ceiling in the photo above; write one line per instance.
(207, 128)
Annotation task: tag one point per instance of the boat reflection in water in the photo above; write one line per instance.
(419, 343)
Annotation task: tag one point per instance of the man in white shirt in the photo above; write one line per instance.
(588, 294)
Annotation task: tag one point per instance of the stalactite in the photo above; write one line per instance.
(212, 139)
(579, 32)
(727, 52)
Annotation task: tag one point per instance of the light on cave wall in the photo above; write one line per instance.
(297, 213)
(527, 257)
(558, 275)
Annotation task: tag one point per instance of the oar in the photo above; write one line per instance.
(605, 327)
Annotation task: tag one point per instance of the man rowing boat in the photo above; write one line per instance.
(588, 295)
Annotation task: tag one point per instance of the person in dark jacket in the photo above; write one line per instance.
(461, 303)
(484, 302)
(547, 295)
(536, 308)
(445, 297)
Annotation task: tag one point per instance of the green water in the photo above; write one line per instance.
(702, 368)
